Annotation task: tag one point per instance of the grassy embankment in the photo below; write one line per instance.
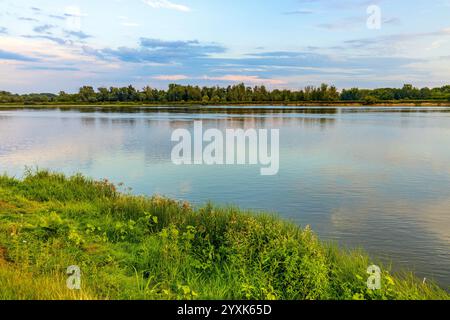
(131, 247)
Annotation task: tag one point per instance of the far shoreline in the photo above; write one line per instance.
(265, 104)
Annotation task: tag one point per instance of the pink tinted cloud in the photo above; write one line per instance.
(247, 79)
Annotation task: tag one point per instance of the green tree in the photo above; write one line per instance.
(205, 99)
(87, 94)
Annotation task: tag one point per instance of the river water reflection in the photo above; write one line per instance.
(376, 178)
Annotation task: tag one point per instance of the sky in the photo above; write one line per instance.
(49, 45)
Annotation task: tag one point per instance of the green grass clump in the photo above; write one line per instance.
(132, 247)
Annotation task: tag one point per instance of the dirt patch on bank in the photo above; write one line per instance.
(3, 256)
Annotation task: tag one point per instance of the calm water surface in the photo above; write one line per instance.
(377, 178)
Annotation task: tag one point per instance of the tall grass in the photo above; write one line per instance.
(131, 247)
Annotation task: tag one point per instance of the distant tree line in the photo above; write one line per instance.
(231, 94)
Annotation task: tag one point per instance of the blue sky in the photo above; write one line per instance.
(47, 46)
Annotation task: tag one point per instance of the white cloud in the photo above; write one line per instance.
(74, 11)
(127, 23)
(130, 24)
(166, 4)
(175, 77)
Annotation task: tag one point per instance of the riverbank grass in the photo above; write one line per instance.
(135, 247)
